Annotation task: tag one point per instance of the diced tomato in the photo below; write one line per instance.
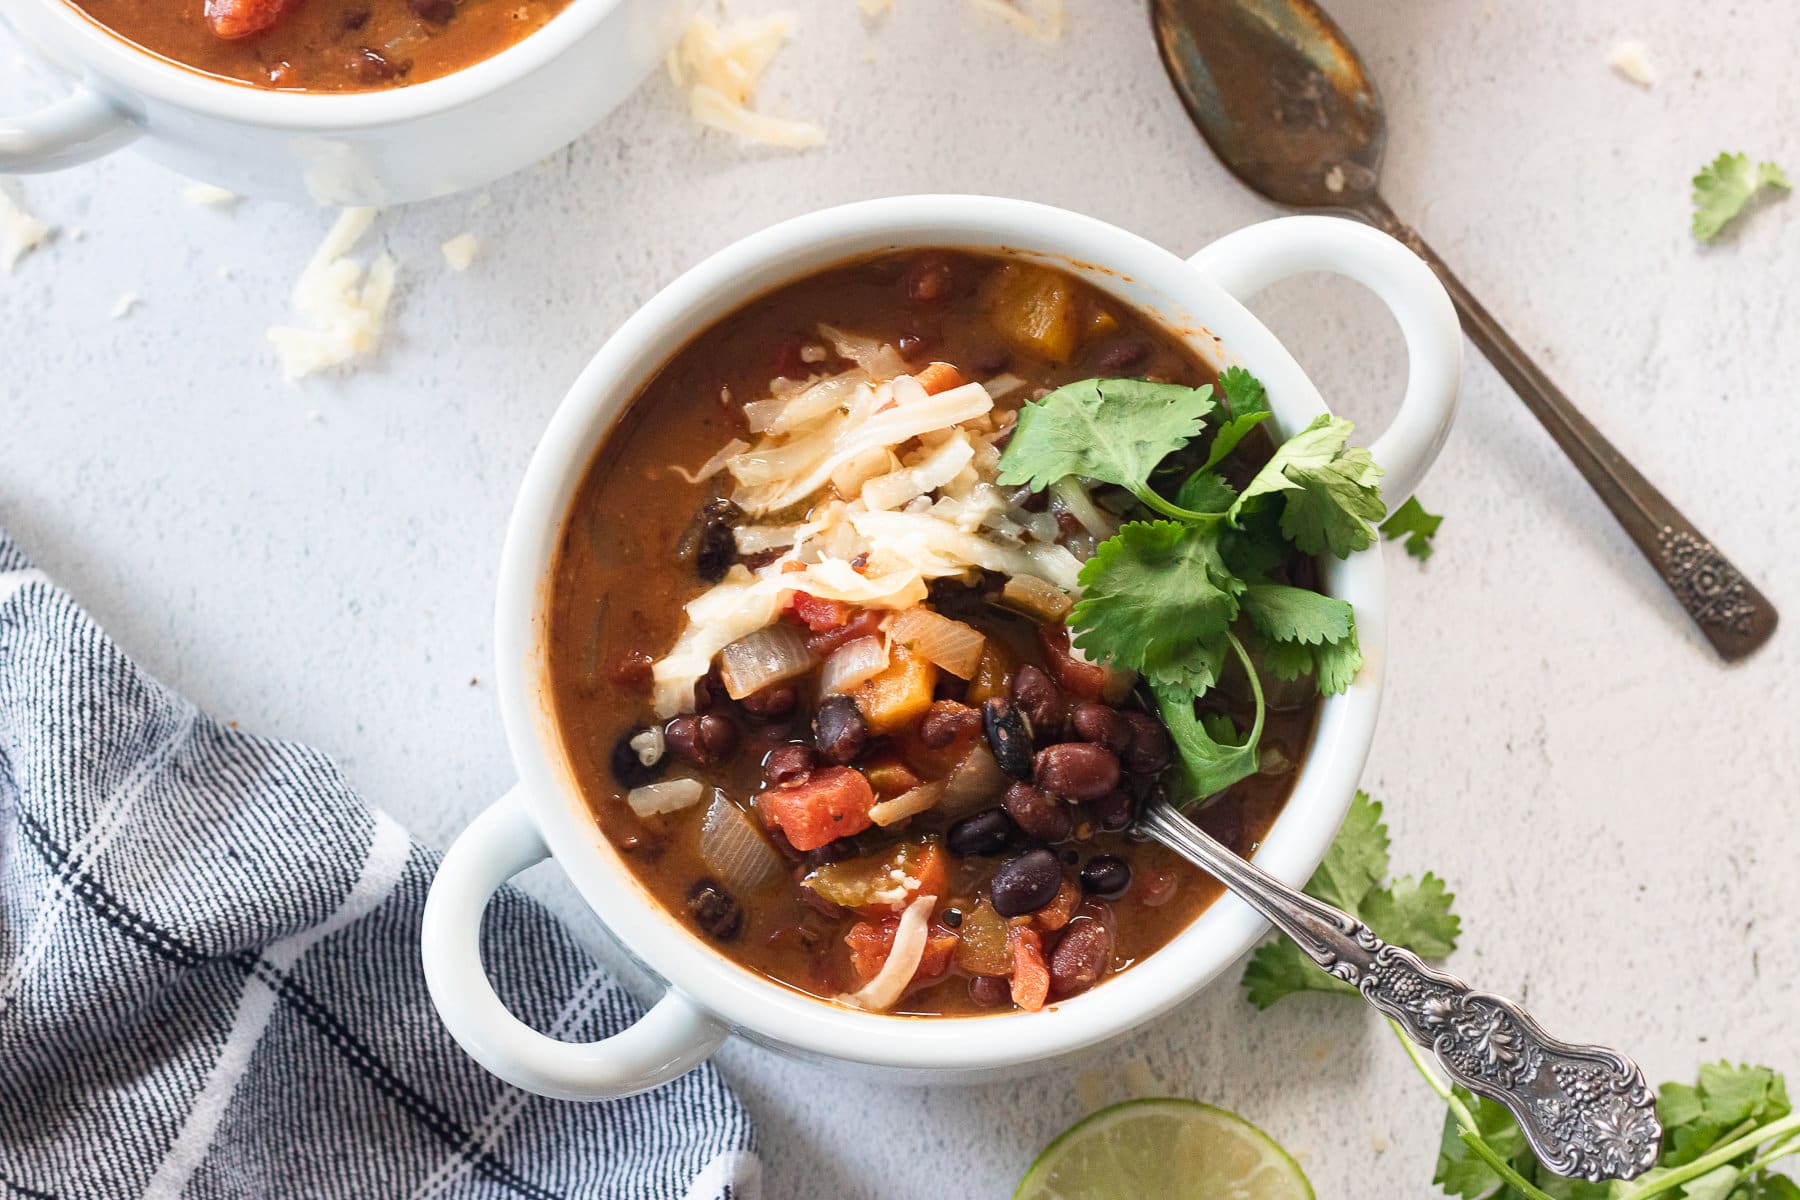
(871, 942)
(823, 807)
(931, 867)
(1031, 975)
(819, 615)
(866, 623)
(870, 886)
(1082, 680)
(1056, 914)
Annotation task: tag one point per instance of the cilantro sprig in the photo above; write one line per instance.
(1187, 591)
(1722, 1134)
(1725, 186)
(1411, 522)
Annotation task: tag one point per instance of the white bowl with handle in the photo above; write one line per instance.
(381, 147)
(709, 996)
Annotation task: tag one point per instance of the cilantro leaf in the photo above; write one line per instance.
(1151, 594)
(1115, 430)
(1357, 860)
(1246, 407)
(1280, 968)
(1306, 634)
(1289, 614)
(1330, 490)
(1418, 527)
(1414, 913)
(1209, 752)
(1724, 186)
(1206, 491)
(1193, 668)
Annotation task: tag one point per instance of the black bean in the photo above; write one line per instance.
(1113, 811)
(353, 19)
(1082, 955)
(789, 764)
(1150, 751)
(982, 834)
(839, 730)
(368, 66)
(1038, 813)
(1095, 722)
(435, 11)
(990, 991)
(718, 737)
(990, 360)
(1077, 770)
(929, 279)
(628, 768)
(710, 693)
(702, 739)
(1025, 884)
(713, 910)
(1121, 356)
(1040, 700)
(1007, 736)
(945, 722)
(1106, 876)
(776, 700)
(710, 542)
(1028, 499)
(831, 852)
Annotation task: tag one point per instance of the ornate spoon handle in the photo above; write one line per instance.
(1733, 615)
(1586, 1110)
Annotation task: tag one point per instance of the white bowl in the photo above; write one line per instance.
(383, 147)
(709, 995)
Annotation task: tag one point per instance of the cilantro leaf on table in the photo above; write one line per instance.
(1305, 633)
(1212, 754)
(1724, 186)
(1460, 1172)
(1330, 491)
(1353, 876)
(1417, 526)
(1153, 592)
(1247, 406)
(1113, 430)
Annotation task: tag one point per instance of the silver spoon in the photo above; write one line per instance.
(1282, 98)
(1586, 1110)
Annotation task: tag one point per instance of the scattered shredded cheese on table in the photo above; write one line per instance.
(20, 232)
(1631, 61)
(341, 306)
(720, 68)
(208, 195)
(1045, 20)
(460, 251)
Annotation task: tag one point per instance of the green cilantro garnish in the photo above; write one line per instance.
(1411, 912)
(1418, 527)
(1722, 1134)
(1113, 430)
(1724, 186)
(1174, 598)
(1331, 491)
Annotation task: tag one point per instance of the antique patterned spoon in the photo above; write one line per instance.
(1284, 101)
(1586, 1110)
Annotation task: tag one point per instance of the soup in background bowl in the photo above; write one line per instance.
(580, 760)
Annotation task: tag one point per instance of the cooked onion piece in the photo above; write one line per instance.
(671, 795)
(851, 664)
(771, 655)
(735, 850)
(950, 644)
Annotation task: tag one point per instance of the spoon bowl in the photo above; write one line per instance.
(1285, 102)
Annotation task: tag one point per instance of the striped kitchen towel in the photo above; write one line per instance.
(210, 981)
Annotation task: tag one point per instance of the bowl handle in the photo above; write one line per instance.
(1246, 262)
(80, 126)
(674, 1037)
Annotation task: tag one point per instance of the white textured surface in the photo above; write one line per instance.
(1615, 809)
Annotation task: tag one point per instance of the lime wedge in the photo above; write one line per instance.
(1167, 1149)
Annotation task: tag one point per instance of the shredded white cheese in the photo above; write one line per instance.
(874, 8)
(123, 305)
(1630, 60)
(1045, 20)
(20, 232)
(340, 306)
(720, 68)
(460, 251)
(208, 195)
(896, 972)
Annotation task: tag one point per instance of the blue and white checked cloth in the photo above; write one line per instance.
(210, 981)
